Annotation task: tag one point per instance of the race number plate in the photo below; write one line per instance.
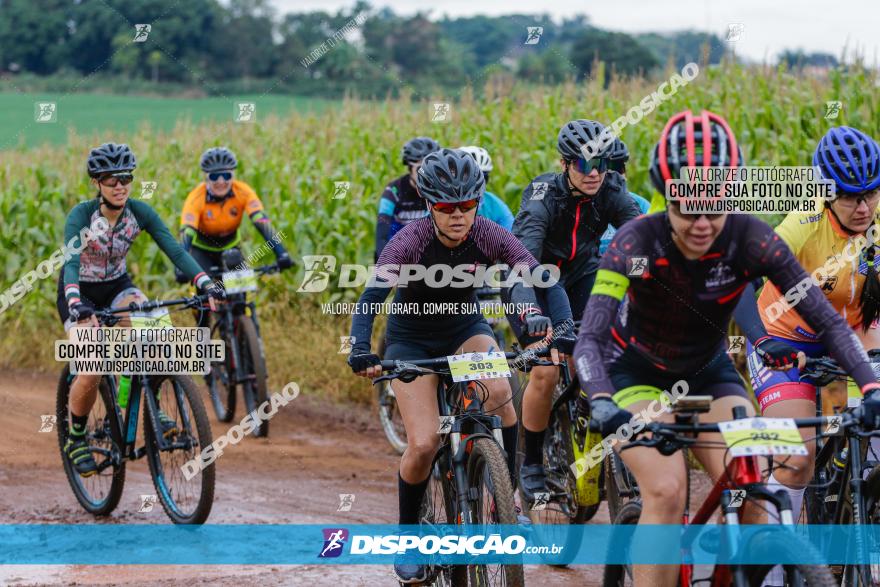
(478, 366)
(240, 281)
(156, 319)
(762, 436)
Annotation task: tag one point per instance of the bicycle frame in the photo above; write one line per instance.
(468, 425)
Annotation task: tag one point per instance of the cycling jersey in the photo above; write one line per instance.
(814, 239)
(104, 257)
(494, 208)
(399, 205)
(609, 232)
(563, 229)
(417, 244)
(216, 220)
(676, 311)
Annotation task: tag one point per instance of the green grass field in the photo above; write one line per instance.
(98, 114)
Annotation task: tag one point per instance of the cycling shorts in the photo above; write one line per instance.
(775, 386)
(409, 345)
(637, 379)
(97, 296)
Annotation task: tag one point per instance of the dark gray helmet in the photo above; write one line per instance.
(110, 158)
(417, 149)
(450, 175)
(218, 159)
(577, 133)
(618, 152)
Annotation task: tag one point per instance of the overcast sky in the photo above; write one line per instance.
(770, 25)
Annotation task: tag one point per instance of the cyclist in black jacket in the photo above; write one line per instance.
(561, 221)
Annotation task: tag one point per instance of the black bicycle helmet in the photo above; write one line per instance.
(577, 133)
(450, 175)
(110, 158)
(218, 159)
(618, 152)
(417, 149)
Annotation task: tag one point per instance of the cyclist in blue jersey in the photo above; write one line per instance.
(492, 207)
(617, 162)
(400, 202)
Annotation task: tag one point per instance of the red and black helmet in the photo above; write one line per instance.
(693, 141)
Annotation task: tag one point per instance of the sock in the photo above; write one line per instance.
(509, 436)
(78, 425)
(774, 577)
(534, 442)
(410, 499)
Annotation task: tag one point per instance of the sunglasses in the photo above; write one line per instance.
(111, 181)
(586, 166)
(675, 206)
(853, 200)
(617, 166)
(224, 175)
(450, 207)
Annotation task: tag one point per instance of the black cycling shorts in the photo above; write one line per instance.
(97, 296)
(410, 344)
(636, 379)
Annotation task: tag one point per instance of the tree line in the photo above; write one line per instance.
(205, 44)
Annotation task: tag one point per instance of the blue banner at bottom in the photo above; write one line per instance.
(32, 544)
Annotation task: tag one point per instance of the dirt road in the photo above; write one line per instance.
(314, 453)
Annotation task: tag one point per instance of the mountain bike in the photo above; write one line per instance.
(572, 498)
(845, 489)
(469, 483)
(743, 474)
(236, 324)
(389, 415)
(112, 434)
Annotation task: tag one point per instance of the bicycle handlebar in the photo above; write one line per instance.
(670, 437)
(108, 314)
(398, 369)
(215, 271)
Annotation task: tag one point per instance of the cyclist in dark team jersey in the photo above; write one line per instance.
(400, 203)
(560, 221)
(673, 322)
(98, 278)
(451, 236)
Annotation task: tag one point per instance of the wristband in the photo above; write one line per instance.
(869, 387)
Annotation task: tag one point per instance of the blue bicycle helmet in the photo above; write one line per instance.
(850, 158)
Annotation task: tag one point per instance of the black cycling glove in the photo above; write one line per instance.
(362, 362)
(776, 354)
(608, 416)
(80, 311)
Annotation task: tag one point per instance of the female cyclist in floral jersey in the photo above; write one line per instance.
(98, 278)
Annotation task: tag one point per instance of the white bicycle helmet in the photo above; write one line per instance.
(482, 157)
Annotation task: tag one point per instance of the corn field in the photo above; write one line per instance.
(294, 161)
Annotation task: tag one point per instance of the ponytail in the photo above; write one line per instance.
(869, 302)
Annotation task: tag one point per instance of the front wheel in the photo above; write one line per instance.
(622, 575)
(795, 575)
(221, 379)
(99, 494)
(438, 507)
(183, 484)
(253, 364)
(389, 416)
(489, 480)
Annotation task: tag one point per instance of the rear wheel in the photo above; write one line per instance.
(99, 494)
(185, 488)
(489, 480)
(253, 363)
(221, 379)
